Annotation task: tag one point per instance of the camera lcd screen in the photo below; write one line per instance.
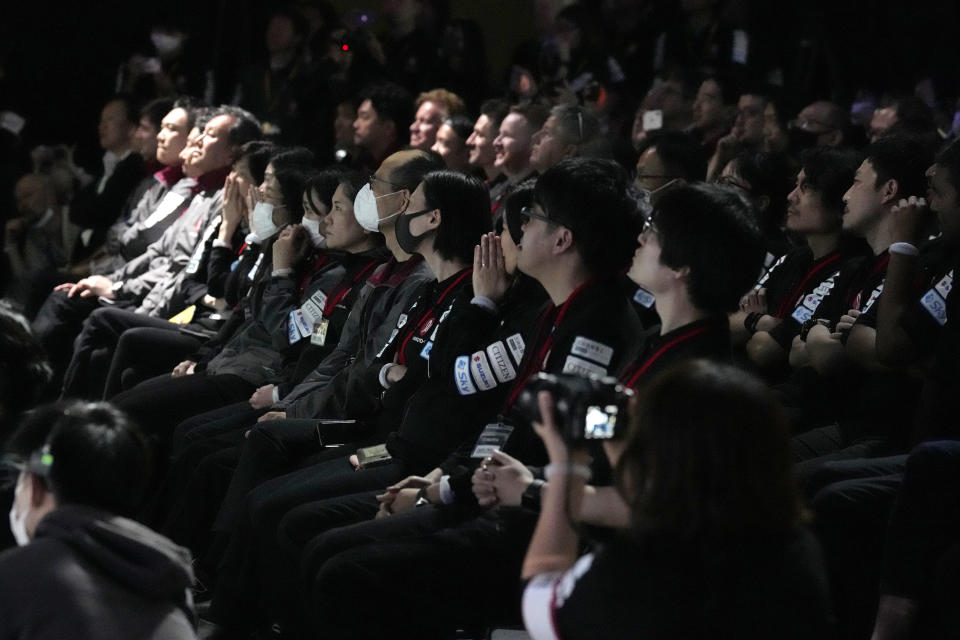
(600, 423)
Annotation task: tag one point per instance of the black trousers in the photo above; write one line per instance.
(851, 516)
(249, 561)
(144, 352)
(58, 322)
(161, 403)
(419, 586)
(93, 349)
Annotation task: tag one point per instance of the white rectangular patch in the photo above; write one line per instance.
(166, 206)
(592, 350)
(500, 360)
(253, 270)
(461, 372)
(516, 346)
(482, 373)
(582, 367)
(644, 298)
(943, 287)
(935, 305)
(801, 314)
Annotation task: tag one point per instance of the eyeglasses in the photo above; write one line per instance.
(805, 125)
(730, 181)
(527, 212)
(373, 178)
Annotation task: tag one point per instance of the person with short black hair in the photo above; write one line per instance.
(772, 315)
(384, 114)
(100, 203)
(84, 570)
(669, 157)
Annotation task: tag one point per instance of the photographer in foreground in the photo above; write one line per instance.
(711, 550)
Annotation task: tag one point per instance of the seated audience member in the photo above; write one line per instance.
(512, 148)
(483, 156)
(569, 132)
(382, 120)
(713, 112)
(99, 204)
(907, 115)
(667, 106)
(747, 132)
(871, 409)
(245, 353)
(433, 107)
(94, 348)
(443, 218)
(819, 124)
(162, 194)
(912, 322)
(789, 292)
(669, 158)
(451, 143)
(703, 541)
(33, 242)
(765, 179)
(147, 281)
(575, 258)
(83, 570)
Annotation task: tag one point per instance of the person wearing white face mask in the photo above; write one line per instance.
(83, 570)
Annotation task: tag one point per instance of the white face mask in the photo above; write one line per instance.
(261, 222)
(365, 209)
(18, 522)
(313, 228)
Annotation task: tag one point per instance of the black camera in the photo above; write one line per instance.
(586, 408)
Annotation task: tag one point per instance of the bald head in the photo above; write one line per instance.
(825, 119)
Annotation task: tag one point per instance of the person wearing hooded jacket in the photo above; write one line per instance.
(83, 571)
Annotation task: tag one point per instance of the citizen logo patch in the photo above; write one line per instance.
(515, 344)
(592, 350)
(582, 367)
(500, 360)
(461, 372)
(482, 374)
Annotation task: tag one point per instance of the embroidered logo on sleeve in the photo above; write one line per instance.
(592, 350)
(935, 300)
(500, 360)
(515, 344)
(461, 372)
(482, 373)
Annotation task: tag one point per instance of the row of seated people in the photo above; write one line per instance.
(376, 317)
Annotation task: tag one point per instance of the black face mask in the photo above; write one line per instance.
(407, 241)
(801, 139)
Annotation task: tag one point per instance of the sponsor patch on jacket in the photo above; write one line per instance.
(482, 373)
(515, 344)
(500, 361)
(582, 367)
(167, 206)
(935, 300)
(461, 372)
(592, 350)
